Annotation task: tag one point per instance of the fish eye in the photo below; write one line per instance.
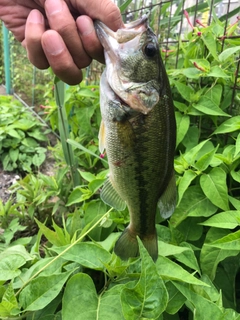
(150, 50)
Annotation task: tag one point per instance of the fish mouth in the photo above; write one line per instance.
(111, 41)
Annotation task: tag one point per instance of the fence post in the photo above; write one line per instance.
(7, 67)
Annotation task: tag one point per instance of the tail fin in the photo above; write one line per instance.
(127, 245)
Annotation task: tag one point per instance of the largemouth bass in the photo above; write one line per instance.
(138, 131)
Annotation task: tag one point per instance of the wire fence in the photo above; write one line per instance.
(171, 20)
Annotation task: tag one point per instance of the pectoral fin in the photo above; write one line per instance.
(101, 137)
(167, 202)
(110, 196)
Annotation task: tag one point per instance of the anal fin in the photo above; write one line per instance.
(110, 196)
(167, 201)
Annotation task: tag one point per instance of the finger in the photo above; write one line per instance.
(89, 38)
(61, 20)
(60, 59)
(103, 10)
(33, 33)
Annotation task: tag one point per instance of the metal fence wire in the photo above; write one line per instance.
(171, 20)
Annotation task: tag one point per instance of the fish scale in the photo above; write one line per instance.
(138, 131)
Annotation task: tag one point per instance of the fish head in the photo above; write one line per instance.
(133, 63)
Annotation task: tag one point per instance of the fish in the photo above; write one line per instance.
(138, 133)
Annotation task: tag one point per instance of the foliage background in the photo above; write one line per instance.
(56, 249)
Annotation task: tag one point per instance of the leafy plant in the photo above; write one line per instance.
(20, 137)
(68, 270)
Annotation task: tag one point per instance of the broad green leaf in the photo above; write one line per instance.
(9, 302)
(207, 106)
(38, 159)
(192, 154)
(229, 125)
(215, 94)
(167, 249)
(88, 176)
(226, 220)
(210, 42)
(230, 242)
(185, 91)
(204, 162)
(14, 133)
(184, 183)
(51, 235)
(188, 257)
(237, 146)
(42, 290)
(227, 53)
(190, 229)
(148, 298)
(201, 64)
(183, 122)
(11, 260)
(211, 255)
(214, 187)
(24, 124)
(75, 196)
(204, 309)
(170, 270)
(217, 72)
(176, 299)
(80, 301)
(89, 255)
(13, 153)
(193, 204)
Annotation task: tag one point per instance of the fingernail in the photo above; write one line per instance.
(53, 44)
(35, 17)
(53, 6)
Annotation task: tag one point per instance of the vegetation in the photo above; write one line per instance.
(20, 137)
(56, 259)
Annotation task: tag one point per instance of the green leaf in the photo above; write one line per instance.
(230, 242)
(148, 298)
(217, 72)
(193, 204)
(176, 299)
(38, 159)
(229, 125)
(124, 6)
(208, 106)
(9, 302)
(237, 146)
(183, 122)
(204, 309)
(42, 290)
(89, 255)
(203, 64)
(11, 260)
(14, 133)
(80, 301)
(226, 220)
(13, 153)
(215, 188)
(227, 53)
(204, 161)
(210, 42)
(170, 270)
(212, 255)
(184, 183)
(185, 91)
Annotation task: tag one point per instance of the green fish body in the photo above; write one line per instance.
(138, 131)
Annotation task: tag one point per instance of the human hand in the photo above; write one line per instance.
(51, 35)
